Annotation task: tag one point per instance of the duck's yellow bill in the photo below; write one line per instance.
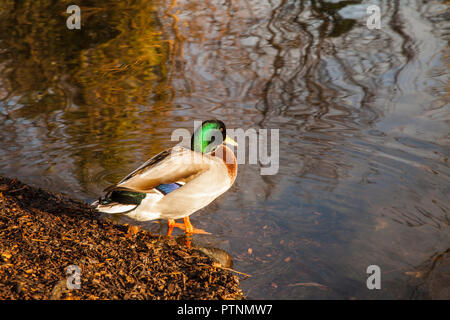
(230, 141)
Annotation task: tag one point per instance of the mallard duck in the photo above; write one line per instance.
(176, 182)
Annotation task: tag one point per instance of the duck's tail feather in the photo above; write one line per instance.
(118, 201)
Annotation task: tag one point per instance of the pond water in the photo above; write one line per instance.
(363, 118)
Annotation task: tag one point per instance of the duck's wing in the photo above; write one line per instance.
(173, 165)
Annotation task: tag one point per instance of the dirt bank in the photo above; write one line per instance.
(43, 233)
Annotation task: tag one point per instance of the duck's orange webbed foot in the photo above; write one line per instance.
(171, 224)
(187, 227)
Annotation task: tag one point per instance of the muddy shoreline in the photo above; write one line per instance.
(43, 233)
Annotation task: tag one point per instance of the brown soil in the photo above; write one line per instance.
(43, 233)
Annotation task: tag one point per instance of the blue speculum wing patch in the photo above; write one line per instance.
(167, 188)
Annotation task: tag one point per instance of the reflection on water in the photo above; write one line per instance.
(363, 118)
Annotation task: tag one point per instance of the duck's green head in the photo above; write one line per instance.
(209, 135)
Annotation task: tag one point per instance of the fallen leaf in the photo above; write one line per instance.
(414, 274)
(381, 224)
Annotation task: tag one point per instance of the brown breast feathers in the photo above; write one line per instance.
(224, 153)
